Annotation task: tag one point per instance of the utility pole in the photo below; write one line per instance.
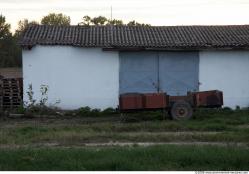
(111, 13)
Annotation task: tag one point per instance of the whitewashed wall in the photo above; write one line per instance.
(76, 76)
(227, 71)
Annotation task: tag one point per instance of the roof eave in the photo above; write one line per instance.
(174, 48)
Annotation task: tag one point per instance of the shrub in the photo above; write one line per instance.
(21, 109)
(109, 111)
(237, 108)
(40, 107)
(83, 111)
(227, 109)
(95, 112)
(87, 111)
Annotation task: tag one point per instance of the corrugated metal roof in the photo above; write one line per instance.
(168, 37)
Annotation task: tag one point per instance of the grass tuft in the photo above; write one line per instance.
(164, 157)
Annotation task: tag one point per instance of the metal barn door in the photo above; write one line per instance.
(171, 72)
(138, 72)
(178, 72)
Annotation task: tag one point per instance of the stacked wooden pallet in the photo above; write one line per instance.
(12, 92)
(1, 93)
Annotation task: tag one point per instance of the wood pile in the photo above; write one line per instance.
(1, 93)
(11, 93)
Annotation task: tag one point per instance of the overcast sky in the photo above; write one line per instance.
(155, 12)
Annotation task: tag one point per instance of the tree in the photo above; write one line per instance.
(9, 50)
(4, 28)
(86, 20)
(56, 19)
(135, 23)
(22, 25)
(115, 22)
(101, 20)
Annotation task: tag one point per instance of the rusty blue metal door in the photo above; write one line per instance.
(138, 72)
(178, 72)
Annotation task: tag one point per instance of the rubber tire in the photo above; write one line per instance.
(181, 105)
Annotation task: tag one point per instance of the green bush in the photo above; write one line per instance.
(109, 111)
(21, 110)
(95, 112)
(87, 111)
(83, 111)
(227, 109)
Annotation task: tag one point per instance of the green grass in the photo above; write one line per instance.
(207, 125)
(166, 157)
(70, 134)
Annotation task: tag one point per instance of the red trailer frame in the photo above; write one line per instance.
(179, 107)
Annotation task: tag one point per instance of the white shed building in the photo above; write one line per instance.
(93, 65)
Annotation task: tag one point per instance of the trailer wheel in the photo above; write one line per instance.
(181, 110)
